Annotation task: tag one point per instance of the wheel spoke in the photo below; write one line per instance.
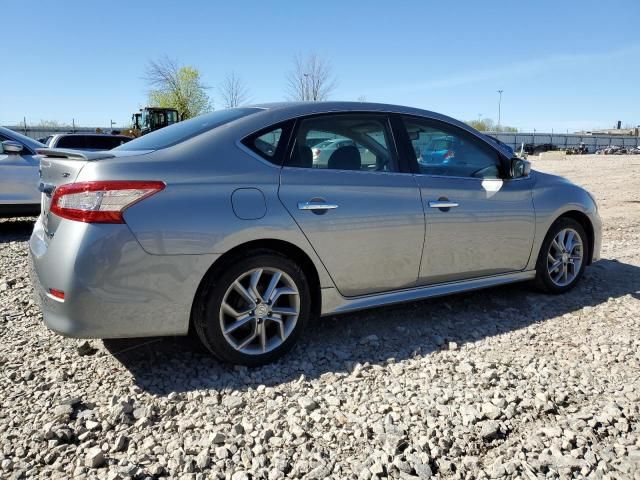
(239, 323)
(244, 293)
(550, 258)
(228, 309)
(283, 291)
(284, 310)
(556, 245)
(555, 265)
(263, 337)
(275, 279)
(255, 278)
(249, 339)
(280, 326)
(568, 242)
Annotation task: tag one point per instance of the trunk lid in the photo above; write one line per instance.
(57, 167)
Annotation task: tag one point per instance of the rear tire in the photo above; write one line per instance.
(252, 311)
(563, 256)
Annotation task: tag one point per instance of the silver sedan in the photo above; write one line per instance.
(19, 193)
(225, 224)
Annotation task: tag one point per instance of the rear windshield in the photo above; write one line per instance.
(179, 132)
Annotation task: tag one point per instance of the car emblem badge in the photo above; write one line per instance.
(65, 174)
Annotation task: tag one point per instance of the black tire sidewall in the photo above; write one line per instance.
(543, 279)
(207, 316)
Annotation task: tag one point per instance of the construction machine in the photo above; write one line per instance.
(149, 119)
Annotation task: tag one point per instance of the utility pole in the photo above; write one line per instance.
(112, 124)
(306, 87)
(499, 106)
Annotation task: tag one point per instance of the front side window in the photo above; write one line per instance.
(441, 149)
(344, 142)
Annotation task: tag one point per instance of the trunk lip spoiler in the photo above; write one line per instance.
(74, 154)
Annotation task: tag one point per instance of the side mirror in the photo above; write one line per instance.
(9, 146)
(519, 167)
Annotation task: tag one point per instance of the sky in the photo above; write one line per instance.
(562, 65)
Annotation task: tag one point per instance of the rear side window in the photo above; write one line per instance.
(105, 142)
(270, 143)
(76, 141)
(181, 131)
(348, 141)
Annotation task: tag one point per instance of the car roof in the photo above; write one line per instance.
(280, 111)
(306, 108)
(89, 134)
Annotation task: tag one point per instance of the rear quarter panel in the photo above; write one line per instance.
(194, 215)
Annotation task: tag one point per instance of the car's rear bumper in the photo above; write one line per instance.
(112, 287)
(596, 223)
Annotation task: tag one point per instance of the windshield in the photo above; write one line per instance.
(179, 132)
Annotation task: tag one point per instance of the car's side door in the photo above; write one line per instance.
(18, 176)
(478, 222)
(364, 218)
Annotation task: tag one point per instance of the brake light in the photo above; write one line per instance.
(59, 294)
(449, 154)
(100, 202)
(316, 152)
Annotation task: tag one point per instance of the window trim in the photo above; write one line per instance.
(407, 146)
(393, 149)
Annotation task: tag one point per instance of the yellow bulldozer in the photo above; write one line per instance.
(149, 119)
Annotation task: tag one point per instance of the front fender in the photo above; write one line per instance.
(554, 197)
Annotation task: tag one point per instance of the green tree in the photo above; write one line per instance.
(488, 125)
(176, 86)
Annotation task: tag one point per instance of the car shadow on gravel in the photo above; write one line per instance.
(16, 229)
(335, 344)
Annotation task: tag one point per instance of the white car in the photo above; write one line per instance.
(19, 174)
(323, 151)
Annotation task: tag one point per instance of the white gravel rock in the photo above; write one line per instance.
(505, 383)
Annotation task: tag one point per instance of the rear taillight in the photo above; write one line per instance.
(449, 154)
(100, 202)
(316, 152)
(58, 294)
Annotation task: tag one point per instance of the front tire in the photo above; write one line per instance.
(563, 256)
(254, 310)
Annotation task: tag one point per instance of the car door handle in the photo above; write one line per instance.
(442, 204)
(316, 206)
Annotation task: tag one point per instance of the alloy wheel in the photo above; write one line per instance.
(565, 257)
(259, 310)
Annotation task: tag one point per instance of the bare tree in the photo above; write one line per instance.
(176, 86)
(311, 79)
(233, 91)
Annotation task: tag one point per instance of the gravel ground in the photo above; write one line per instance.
(502, 383)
